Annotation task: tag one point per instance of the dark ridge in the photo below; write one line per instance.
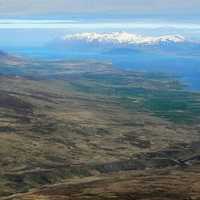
(12, 102)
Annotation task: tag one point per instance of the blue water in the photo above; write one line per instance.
(186, 68)
(30, 42)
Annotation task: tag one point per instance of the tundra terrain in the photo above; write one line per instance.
(88, 130)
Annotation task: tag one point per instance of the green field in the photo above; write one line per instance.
(61, 121)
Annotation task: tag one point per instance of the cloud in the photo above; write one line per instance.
(73, 24)
(28, 7)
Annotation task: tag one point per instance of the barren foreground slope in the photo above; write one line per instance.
(86, 130)
(174, 184)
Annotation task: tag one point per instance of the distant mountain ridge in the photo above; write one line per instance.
(123, 43)
(11, 60)
(123, 38)
(3, 54)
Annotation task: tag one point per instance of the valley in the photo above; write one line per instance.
(89, 130)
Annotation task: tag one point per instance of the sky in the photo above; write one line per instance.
(139, 7)
(35, 22)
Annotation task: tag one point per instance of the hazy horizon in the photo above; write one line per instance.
(39, 31)
(36, 23)
(33, 7)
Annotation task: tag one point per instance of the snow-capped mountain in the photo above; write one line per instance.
(122, 38)
(123, 43)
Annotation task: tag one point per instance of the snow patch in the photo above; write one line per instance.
(123, 38)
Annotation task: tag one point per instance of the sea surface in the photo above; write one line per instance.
(185, 68)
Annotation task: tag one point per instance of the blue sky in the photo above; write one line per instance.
(141, 7)
(39, 32)
(35, 22)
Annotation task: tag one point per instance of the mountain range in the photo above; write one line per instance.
(125, 43)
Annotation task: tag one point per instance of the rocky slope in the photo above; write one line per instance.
(96, 132)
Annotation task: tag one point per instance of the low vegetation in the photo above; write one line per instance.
(89, 124)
